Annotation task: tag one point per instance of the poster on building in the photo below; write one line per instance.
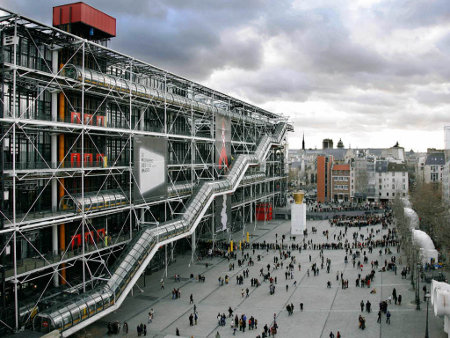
(223, 165)
(223, 143)
(150, 168)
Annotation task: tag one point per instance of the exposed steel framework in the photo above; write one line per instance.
(70, 111)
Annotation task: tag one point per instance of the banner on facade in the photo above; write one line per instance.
(150, 168)
(223, 161)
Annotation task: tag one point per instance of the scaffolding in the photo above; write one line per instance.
(70, 205)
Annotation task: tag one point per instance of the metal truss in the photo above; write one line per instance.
(71, 100)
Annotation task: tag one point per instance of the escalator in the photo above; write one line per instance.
(93, 305)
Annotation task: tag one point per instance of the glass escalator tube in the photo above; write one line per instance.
(144, 242)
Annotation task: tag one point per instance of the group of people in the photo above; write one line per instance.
(357, 246)
(361, 220)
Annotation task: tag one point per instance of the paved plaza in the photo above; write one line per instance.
(325, 309)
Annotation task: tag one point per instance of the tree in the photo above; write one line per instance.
(433, 214)
(427, 202)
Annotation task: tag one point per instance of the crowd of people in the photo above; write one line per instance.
(361, 220)
(357, 244)
(314, 206)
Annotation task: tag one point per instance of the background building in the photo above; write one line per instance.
(433, 167)
(446, 168)
(324, 165)
(341, 183)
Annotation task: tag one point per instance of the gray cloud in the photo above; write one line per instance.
(327, 65)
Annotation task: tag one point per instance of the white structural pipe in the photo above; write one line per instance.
(440, 300)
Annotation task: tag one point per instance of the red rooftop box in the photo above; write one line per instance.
(84, 20)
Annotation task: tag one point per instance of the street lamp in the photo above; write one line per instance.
(427, 298)
(417, 288)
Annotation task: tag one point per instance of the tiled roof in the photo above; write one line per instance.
(341, 167)
(435, 159)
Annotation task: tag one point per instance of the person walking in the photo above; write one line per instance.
(177, 332)
(399, 300)
(388, 318)
(191, 320)
(379, 317)
(331, 334)
(191, 299)
(362, 306)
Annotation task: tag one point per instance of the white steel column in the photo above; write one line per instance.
(54, 161)
(141, 119)
(165, 259)
(142, 218)
(83, 221)
(14, 114)
(130, 139)
(193, 246)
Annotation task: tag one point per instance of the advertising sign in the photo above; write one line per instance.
(150, 168)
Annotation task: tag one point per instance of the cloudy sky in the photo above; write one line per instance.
(372, 72)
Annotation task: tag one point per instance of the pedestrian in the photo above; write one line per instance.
(162, 284)
(399, 300)
(362, 306)
(338, 335)
(379, 317)
(301, 306)
(195, 317)
(388, 317)
(331, 335)
(191, 320)
(177, 332)
(145, 330)
(191, 299)
(125, 327)
(424, 292)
